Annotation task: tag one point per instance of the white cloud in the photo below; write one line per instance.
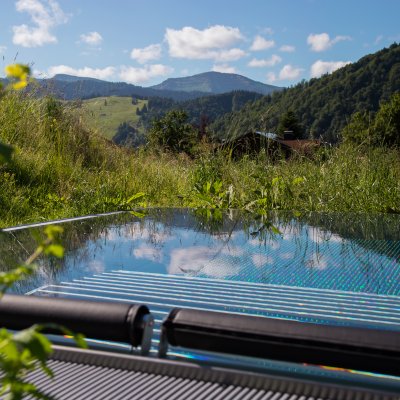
(271, 77)
(210, 43)
(268, 31)
(3, 49)
(148, 253)
(200, 259)
(38, 74)
(322, 41)
(229, 55)
(92, 38)
(261, 43)
(320, 236)
(144, 74)
(326, 67)
(287, 48)
(95, 267)
(44, 16)
(233, 251)
(317, 261)
(260, 260)
(87, 72)
(149, 53)
(287, 256)
(265, 63)
(378, 39)
(288, 72)
(228, 69)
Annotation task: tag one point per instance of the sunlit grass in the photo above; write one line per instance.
(105, 114)
(62, 169)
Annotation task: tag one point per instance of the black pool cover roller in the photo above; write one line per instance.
(337, 346)
(98, 320)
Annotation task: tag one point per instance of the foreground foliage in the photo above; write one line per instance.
(28, 349)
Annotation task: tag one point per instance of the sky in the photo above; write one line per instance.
(279, 42)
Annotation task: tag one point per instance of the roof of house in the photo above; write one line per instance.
(300, 144)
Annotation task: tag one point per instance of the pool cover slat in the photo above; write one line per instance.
(302, 304)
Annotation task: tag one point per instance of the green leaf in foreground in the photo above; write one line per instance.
(55, 250)
(135, 197)
(19, 354)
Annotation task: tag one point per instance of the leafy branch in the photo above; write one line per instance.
(19, 76)
(24, 351)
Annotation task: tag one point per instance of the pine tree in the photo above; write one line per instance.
(289, 122)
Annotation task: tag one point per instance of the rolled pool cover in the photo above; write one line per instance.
(285, 340)
(118, 322)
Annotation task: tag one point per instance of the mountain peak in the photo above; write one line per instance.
(215, 83)
(72, 78)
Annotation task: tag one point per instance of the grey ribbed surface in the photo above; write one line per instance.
(78, 381)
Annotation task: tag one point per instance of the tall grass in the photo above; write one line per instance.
(60, 169)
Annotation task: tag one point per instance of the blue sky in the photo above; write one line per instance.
(145, 42)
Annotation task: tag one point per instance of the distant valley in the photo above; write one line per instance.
(108, 106)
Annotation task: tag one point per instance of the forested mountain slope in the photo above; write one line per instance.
(203, 110)
(322, 105)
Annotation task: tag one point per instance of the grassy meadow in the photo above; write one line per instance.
(105, 114)
(61, 168)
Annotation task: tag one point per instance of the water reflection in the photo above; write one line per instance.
(358, 253)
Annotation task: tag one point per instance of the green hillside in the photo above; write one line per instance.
(105, 114)
(323, 105)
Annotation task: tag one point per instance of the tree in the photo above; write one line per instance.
(383, 129)
(128, 136)
(387, 123)
(172, 132)
(289, 122)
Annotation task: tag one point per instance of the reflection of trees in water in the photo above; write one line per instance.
(365, 238)
(376, 232)
(347, 242)
(16, 246)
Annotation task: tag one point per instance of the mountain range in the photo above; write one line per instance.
(70, 87)
(215, 83)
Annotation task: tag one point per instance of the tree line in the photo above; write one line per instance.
(322, 105)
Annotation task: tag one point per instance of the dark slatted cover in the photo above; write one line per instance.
(99, 375)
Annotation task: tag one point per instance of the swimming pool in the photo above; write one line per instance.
(341, 269)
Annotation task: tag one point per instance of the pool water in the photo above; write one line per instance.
(352, 253)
